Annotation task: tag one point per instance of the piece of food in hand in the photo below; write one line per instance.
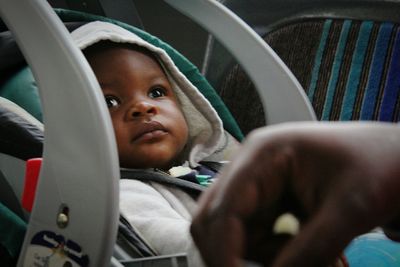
(287, 223)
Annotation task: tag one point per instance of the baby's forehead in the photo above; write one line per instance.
(106, 45)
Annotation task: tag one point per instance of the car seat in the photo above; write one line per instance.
(21, 88)
(68, 182)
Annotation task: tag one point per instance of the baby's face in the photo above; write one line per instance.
(150, 128)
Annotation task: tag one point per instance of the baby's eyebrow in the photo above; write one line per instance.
(106, 84)
(160, 79)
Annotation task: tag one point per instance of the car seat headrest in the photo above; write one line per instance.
(21, 135)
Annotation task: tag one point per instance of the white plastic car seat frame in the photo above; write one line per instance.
(79, 173)
(77, 194)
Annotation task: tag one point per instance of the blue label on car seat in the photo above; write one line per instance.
(50, 249)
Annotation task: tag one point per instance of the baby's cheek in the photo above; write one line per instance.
(122, 141)
(185, 135)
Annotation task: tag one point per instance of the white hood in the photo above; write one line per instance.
(206, 134)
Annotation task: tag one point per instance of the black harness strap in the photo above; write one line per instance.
(152, 176)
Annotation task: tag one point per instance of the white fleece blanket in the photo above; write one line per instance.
(161, 215)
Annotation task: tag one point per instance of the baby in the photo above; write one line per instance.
(150, 128)
(162, 124)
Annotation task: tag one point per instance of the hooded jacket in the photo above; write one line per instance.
(159, 212)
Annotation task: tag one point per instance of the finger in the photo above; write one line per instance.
(226, 253)
(226, 189)
(243, 186)
(265, 252)
(254, 179)
(217, 232)
(219, 236)
(202, 232)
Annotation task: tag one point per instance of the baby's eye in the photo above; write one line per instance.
(157, 92)
(111, 101)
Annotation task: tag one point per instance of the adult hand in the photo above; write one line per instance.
(339, 179)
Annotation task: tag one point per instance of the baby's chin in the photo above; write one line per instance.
(148, 164)
(159, 157)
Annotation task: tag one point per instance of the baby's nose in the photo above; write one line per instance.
(142, 108)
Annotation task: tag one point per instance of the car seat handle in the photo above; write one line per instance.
(75, 211)
(282, 96)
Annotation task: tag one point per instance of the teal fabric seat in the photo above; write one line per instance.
(12, 231)
(21, 89)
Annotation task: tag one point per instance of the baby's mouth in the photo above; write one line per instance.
(149, 130)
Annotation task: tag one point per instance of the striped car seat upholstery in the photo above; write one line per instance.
(356, 71)
(350, 70)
